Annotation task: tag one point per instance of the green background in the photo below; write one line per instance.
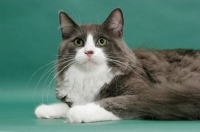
(29, 39)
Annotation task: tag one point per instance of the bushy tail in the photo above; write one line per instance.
(172, 102)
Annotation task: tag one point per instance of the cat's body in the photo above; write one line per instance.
(165, 86)
(99, 78)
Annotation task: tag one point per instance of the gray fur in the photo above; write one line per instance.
(168, 88)
(157, 84)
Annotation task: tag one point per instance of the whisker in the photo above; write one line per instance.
(44, 74)
(130, 59)
(34, 75)
(56, 76)
(58, 65)
(131, 70)
(52, 67)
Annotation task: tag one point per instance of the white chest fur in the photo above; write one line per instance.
(81, 85)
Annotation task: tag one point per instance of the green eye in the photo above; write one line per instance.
(78, 42)
(102, 41)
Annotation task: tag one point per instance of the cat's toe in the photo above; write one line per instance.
(75, 115)
(43, 111)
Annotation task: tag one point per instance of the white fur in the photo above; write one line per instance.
(81, 86)
(58, 110)
(81, 83)
(89, 45)
(89, 113)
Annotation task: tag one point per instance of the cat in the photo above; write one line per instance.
(99, 78)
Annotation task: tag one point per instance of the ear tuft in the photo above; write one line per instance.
(115, 22)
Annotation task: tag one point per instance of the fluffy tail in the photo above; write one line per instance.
(172, 102)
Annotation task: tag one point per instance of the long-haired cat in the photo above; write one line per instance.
(99, 78)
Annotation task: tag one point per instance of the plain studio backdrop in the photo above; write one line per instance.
(29, 40)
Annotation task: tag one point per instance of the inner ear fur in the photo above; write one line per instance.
(115, 22)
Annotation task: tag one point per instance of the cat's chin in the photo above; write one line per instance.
(90, 65)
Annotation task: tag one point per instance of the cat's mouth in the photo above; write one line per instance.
(90, 62)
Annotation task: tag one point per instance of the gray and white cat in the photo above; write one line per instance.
(99, 78)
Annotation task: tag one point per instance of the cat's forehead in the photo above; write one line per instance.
(89, 28)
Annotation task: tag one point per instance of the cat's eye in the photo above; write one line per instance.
(102, 41)
(78, 42)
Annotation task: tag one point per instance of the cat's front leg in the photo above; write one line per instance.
(91, 112)
(115, 108)
(58, 110)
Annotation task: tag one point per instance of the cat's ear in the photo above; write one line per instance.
(114, 23)
(67, 25)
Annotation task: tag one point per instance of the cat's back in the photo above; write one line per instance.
(175, 66)
(170, 56)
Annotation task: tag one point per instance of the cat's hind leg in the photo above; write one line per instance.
(57, 110)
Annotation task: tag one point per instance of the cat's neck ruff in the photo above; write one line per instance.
(89, 69)
(82, 74)
(83, 85)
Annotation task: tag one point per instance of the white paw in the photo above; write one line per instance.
(76, 114)
(89, 113)
(52, 111)
(43, 111)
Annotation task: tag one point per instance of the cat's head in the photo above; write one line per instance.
(89, 46)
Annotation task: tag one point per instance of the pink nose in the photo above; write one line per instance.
(89, 53)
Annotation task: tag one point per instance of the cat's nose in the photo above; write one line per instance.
(89, 53)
